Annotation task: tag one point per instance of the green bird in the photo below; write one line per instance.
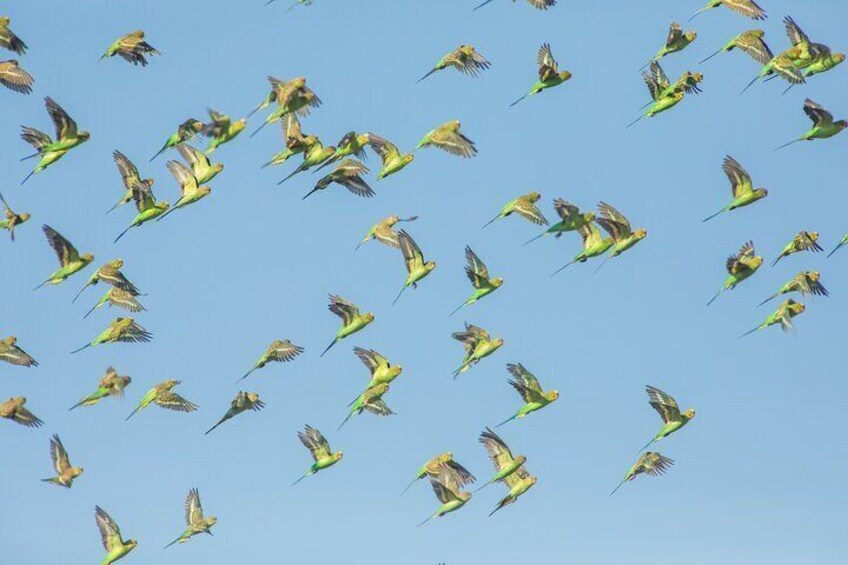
(292, 97)
(842, 243)
(675, 42)
(790, 64)
(14, 77)
(185, 132)
(110, 274)
(132, 48)
(527, 385)
(129, 176)
(221, 129)
(111, 384)
(317, 154)
(384, 233)
(68, 136)
(739, 267)
(319, 448)
(742, 189)
(241, 403)
(70, 261)
(666, 406)
(65, 472)
(416, 267)
(823, 64)
(348, 174)
(196, 523)
(782, 65)
(524, 206)
(13, 409)
(594, 245)
(10, 219)
(665, 94)
(478, 345)
(162, 395)
(393, 160)
(804, 241)
(382, 371)
(119, 298)
(370, 400)
(518, 483)
(650, 463)
(271, 97)
(147, 206)
(804, 283)
(823, 124)
(121, 330)
(751, 43)
(465, 59)
(352, 320)
(14, 355)
(444, 463)
(570, 220)
(549, 73)
(110, 534)
(618, 226)
(190, 190)
(478, 274)
(505, 463)
(296, 142)
(449, 494)
(449, 138)
(538, 4)
(280, 351)
(783, 316)
(8, 39)
(202, 169)
(747, 8)
(351, 143)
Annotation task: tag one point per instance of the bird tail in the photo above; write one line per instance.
(618, 487)
(519, 100)
(42, 284)
(349, 416)
(425, 521)
(247, 374)
(137, 408)
(93, 308)
(113, 208)
(480, 5)
(221, 421)
(123, 233)
(457, 309)
(561, 268)
(257, 130)
(749, 332)
(708, 218)
(636, 121)
(500, 505)
(770, 298)
(293, 173)
(412, 482)
(461, 370)
(647, 445)
(86, 346)
(713, 299)
(433, 70)
(835, 249)
(695, 15)
(361, 243)
(777, 260)
(788, 88)
(78, 404)
(403, 288)
(306, 474)
(490, 222)
(164, 147)
(790, 143)
(532, 239)
(80, 292)
(332, 343)
(601, 266)
(484, 486)
(33, 156)
(310, 193)
(710, 57)
(750, 84)
(258, 107)
(26, 178)
(173, 542)
(510, 419)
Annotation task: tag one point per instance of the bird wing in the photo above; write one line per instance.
(386, 235)
(384, 148)
(740, 180)
(476, 269)
(453, 142)
(546, 62)
(468, 338)
(14, 77)
(456, 474)
(528, 393)
(611, 213)
(806, 242)
(747, 8)
(128, 170)
(736, 263)
(63, 248)
(566, 210)
(285, 350)
(291, 128)
(26, 418)
(347, 311)
(110, 533)
(590, 234)
(819, 116)
(370, 358)
(443, 492)
(142, 196)
(183, 176)
(664, 404)
(410, 250)
(752, 43)
(193, 508)
(542, 4)
(219, 125)
(65, 126)
(518, 476)
(189, 128)
(377, 406)
(655, 464)
(812, 286)
(529, 211)
(17, 356)
(173, 401)
(315, 443)
(192, 156)
(524, 376)
(133, 333)
(59, 456)
(675, 32)
(125, 300)
(794, 32)
(497, 449)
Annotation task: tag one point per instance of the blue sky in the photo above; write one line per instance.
(252, 263)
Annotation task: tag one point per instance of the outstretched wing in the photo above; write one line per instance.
(752, 43)
(476, 269)
(128, 170)
(110, 533)
(794, 32)
(345, 310)
(173, 401)
(747, 8)
(615, 219)
(740, 180)
(192, 156)
(384, 148)
(193, 508)
(61, 463)
(456, 473)
(529, 211)
(547, 64)
(183, 176)
(410, 250)
(566, 210)
(315, 443)
(524, 376)
(65, 126)
(17, 356)
(664, 404)
(14, 77)
(819, 116)
(134, 333)
(675, 32)
(497, 449)
(63, 248)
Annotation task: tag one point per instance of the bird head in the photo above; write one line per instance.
(690, 36)
(392, 220)
(761, 192)
(239, 125)
(253, 397)
(116, 264)
(641, 233)
(589, 217)
(758, 33)
(77, 471)
(841, 124)
(83, 135)
(211, 521)
(148, 183)
(217, 168)
(338, 455)
(205, 190)
(453, 125)
(11, 340)
(23, 217)
(430, 265)
(554, 394)
(4, 20)
(690, 414)
(533, 480)
(498, 342)
(87, 258)
(814, 275)
(163, 204)
(521, 459)
(838, 58)
(395, 370)
(798, 308)
(564, 75)
(446, 456)
(813, 235)
(170, 383)
(369, 316)
(408, 158)
(756, 262)
(497, 282)
(534, 196)
(131, 543)
(465, 496)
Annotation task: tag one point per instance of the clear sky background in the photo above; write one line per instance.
(760, 473)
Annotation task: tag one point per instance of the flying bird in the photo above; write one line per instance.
(186, 131)
(665, 94)
(842, 243)
(747, 8)
(221, 129)
(549, 73)
(8, 39)
(675, 42)
(10, 220)
(348, 174)
(49, 151)
(296, 142)
(538, 4)
(571, 219)
(650, 463)
(478, 345)
(196, 522)
(291, 96)
(317, 153)
(129, 176)
(132, 48)
(518, 483)
(163, 395)
(804, 283)
(666, 406)
(65, 472)
(751, 43)
(110, 274)
(14, 355)
(527, 386)
(280, 351)
(449, 138)
(351, 143)
(352, 320)
(782, 316)
(465, 58)
(618, 226)
(120, 298)
(370, 400)
(123, 330)
(739, 267)
(804, 241)
(393, 160)
(384, 233)
(742, 189)
(111, 384)
(110, 535)
(147, 206)
(202, 169)
(241, 403)
(594, 245)
(502, 458)
(478, 274)
(823, 124)
(416, 266)
(70, 261)
(524, 206)
(190, 190)
(444, 463)
(319, 448)
(382, 371)
(14, 77)
(449, 494)
(14, 410)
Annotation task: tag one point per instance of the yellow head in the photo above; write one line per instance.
(369, 316)
(521, 459)
(239, 125)
(4, 20)
(589, 217)
(758, 33)
(497, 282)
(87, 257)
(204, 190)
(211, 521)
(534, 196)
(77, 471)
(564, 75)
(689, 414)
(498, 342)
(814, 235)
(170, 383)
(23, 217)
(554, 394)
(641, 233)
(338, 455)
(407, 159)
(217, 167)
(690, 36)
(814, 275)
(430, 265)
(395, 370)
(117, 263)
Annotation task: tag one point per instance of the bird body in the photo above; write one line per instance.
(665, 94)
(68, 136)
(538, 4)
(65, 472)
(478, 345)
(751, 43)
(196, 522)
(110, 535)
(618, 226)
(243, 402)
(527, 386)
(14, 355)
(782, 316)
(594, 245)
(221, 129)
(185, 132)
(278, 351)
(202, 169)
(504, 462)
(370, 400)
(524, 206)
(317, 154)
(416, 266)
(742, 189)
(465, 58)
(351, 143)
(147, 206)
(549, 73)
(748, 8)
(111, 274)
(319, 448)
(112, 384)
(666, 406)
(393, 160)
(190, 190)
(804, 241)
(292, 97)
(124, 330)
(444, 463)
(348, 174)
(675, 42)
(478, 274)
(15, 410)
(382, 371)
(382, 231)
(449, 138)
(352, 320)
(571, 219)
(70, 260)
(120, 298)
(10, 219)
(163, 396)
(824, 126)
(650, 463)
(129, 176)
(804, 283)
(8, 39)
(739, 267)
(132, 48)
(449, 494)
(518, 483)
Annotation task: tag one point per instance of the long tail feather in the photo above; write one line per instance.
(750, 84)
(458, 308)
(601, 266)
(490, 222)
(123, 233)
(484, 486)
(788, 88)
(113, 208)
(93, 308)
(480, 5)
(710, 57)
(247, 374)
(403, 288)
(306, 474)
(708, 218)
(777, 260)
(257, 130)
(310, 193)
(137, 408)
(412, 482)
(769, 299)
(695, 15)
(86, 346)
(647, 445)
(510, 419)
(332, 343)
(173, 542)
(532, 239)
(33, 156)
(517, 101)
(561, 268)
(618, 487)
(636, 121)
(345, 420)
(164, 147)
(293, 173)
(790, 143)
(433, 70)
(835, 249)
(425, 521)
(26, 178)
(361, 243)
(221, 421)
(749, 332)
(42, 284)
(713, 299)
(498, 507)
